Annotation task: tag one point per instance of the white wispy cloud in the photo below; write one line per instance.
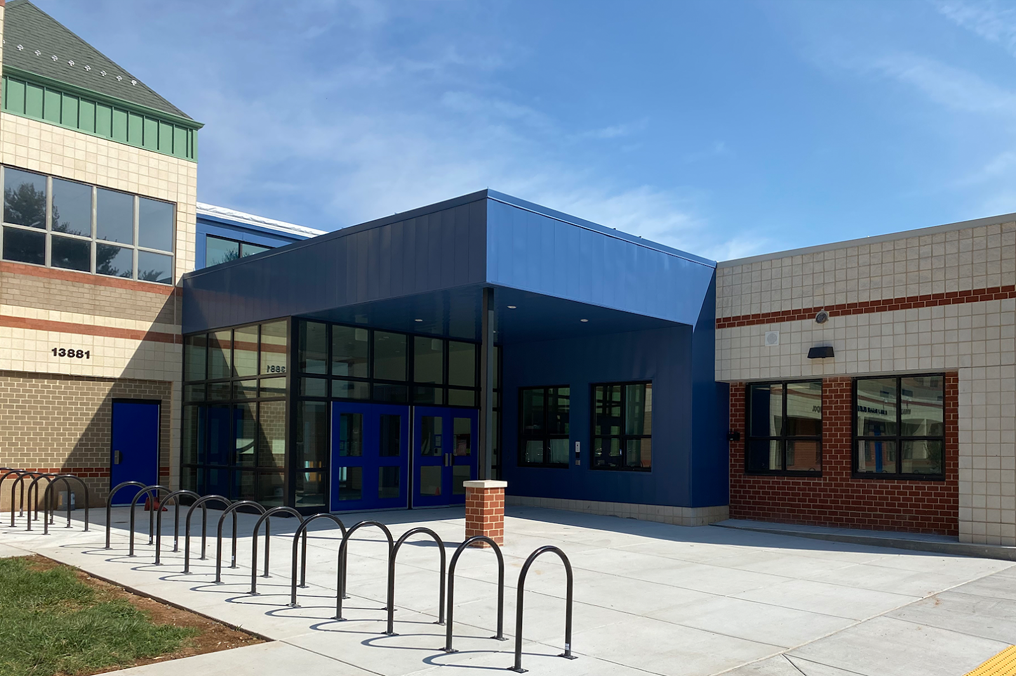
(991, 20)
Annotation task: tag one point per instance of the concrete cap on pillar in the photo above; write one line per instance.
(485, 483)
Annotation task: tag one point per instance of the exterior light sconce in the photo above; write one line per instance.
(584, 321)
(825, 352)
(733, 435)
(511, 307)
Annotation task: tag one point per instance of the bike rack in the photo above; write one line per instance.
(153, 493)
(175, 497)
(14, 487)
(567, 609)
(451, 589)
(47, 515)
(218, 536)
(267, 516)
(204, 524)
(343, 549)
(109, 505)
(35, 482)
(302, 530)
(391, 576)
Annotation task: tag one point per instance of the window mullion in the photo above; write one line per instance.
(899, 425)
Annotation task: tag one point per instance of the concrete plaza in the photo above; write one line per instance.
(650, 598)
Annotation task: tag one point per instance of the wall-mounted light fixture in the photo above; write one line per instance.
(825, 352)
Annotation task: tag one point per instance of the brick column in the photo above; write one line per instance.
(485, 510)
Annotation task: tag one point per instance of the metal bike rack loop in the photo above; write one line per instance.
(109, 504)
(175, 497)
(391, 576)
(20, 481)
(35, 486)
(267, 516)
(218, 534)
(343, 549)
(518, 605)
(47, 515)
(451, 589)
(200, 502)
(6, 473)
(153, 493)
(302, 530)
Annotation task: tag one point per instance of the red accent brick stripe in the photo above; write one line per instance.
(868, 307)
(83, 472)
(89, 330)
(88, 278)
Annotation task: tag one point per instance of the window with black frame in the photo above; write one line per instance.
(222, 250)
(784, 428)
(623, 426)
(544, 426)
(899, 427)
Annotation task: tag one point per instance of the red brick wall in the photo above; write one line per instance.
(836, 499)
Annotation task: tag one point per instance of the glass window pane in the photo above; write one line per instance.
(350, 389)
(248, 249)
(24, 198)
(245, 389)
(463, 430)
(274, 347)
(193, 393)
(636, 401)
(273, 387)
(923, 457)
(155, 224)
(189, 479)
(349, 351)
(311, 434)
(114, 216)
(71, 254)
(804, 410)
(313, 387)
(606, 452)
(461, 397)
(220, 354)
(390, 443)
(391, 394)
(350, 482)
(428, 360)
(558, 452)
(923, 411)
(310, 489)
(153, 267)
(272, 434)
(533, 411)
(195, 355)
(878, 457)
(193, 434)
(219, 250)
(112, 260)
(766, 406)
(876, 407)
(533, 451)
(765, 455)
(804, 455)
(243, 486)
(430, 480)
(72, 208)
(24, 246)
(433, 396)
(462, 364)
(558, 409)
(220, 435)
(430, 435)
(460, 474)
(607, 419)
(271, 488)
(245, 352)
(219, 391)
(313, 347)
(389, 356)
(388, 482)
(350, 435)
(245, 425)
(216, 481)
(639, 453)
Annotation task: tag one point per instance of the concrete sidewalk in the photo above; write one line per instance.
(649, 598)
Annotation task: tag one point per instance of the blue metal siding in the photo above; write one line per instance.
(536, 252)
(238, 232)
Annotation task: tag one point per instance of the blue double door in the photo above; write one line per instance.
(389, 456)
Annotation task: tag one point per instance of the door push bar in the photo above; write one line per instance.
(391, 576)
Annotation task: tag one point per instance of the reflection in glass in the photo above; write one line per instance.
(245, 351)
(533, 451)
(391, 394)
(922, 413)
(310, 489)
(219, 250)
(766, 407)
(432, 396)
(153, 267)
(350, 435)
(388, 482)
(271, 486)
(607, 452)
(313, 348)
(390, 436)
(195, 353)
(23, 246)
(24, 198)
(389, 356)
(273, 387)
(558, 451)
(192, 439)
(803, 455)
(193, 393)
(246, 434)
(460, 474)
(220, 434)
(114, 216)
(924, 456)
(430, 435)
(638, 453)
(804, 410)
(274, 347)
(350, 389)
(462, 428)
(244, 484)
(350, 481)
(71, 254)
(876, 407)
(245, 389)
(218, 391)
(314, 387)
(311, 434)
(558, 410)
(248, 249)
(461, 397)
(72, 208)
(114, 261)
(272, 434)
(428, 360)
(462, 364)
(878, 457)
(764, 455)
(219, 354)
(155, 224)
(349, 351)
(430, 480)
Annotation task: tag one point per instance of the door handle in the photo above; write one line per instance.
(447, 459)
(117, 457)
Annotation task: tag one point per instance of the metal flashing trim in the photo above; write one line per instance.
(233, 217)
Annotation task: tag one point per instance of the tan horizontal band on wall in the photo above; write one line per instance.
(83, 472)
(88, 330)
(88, 278)
(869, 307)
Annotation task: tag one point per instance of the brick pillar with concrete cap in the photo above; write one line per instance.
(485, 510)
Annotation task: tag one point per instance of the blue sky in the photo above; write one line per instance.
(723, 128)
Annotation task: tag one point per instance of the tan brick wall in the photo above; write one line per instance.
(63, 423)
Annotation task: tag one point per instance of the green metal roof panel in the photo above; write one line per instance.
(37, 43)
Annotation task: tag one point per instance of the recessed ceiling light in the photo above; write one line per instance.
(583, 320)
(511, 307)
(419, 320)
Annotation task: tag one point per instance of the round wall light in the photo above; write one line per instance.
(584, 320)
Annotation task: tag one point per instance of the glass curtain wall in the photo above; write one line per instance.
(235, 412)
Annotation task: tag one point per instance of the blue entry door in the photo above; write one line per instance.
(444, 454)
(134, 453)
(370, 456)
